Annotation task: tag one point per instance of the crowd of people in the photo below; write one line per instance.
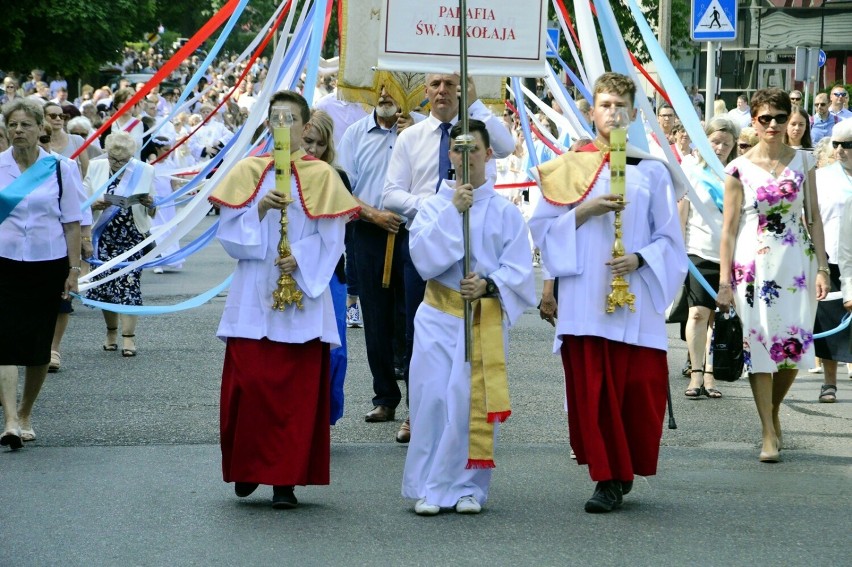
(375, 230)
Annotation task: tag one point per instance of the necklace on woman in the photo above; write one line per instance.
(773, 172)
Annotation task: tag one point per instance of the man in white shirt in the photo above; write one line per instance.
(741, 115)
(839, 100)
(417, 167)
(364, 153)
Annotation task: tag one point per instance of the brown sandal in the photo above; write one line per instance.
(110, 346)
(128, 352)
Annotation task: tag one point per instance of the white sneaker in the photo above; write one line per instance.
(815, 370)
(468, 505)
(423, 508)
(353, 316)
(158, 270)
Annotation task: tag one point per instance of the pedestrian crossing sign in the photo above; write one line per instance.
(714, 20)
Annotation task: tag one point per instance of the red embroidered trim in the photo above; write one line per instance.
(592, 184)
(350, 212)
(480, 464)
(498, 416)
(256, 189)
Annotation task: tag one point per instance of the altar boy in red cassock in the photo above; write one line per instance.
(275, 382)
(615, 364)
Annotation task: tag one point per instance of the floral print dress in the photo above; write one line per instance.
(118, 236)
(774, 269)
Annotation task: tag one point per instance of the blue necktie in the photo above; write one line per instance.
(444, 153)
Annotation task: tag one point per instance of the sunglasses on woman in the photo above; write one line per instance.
(743, 146)
(844, 145)
(766, 119)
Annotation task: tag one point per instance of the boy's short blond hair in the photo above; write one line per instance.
(617, 84)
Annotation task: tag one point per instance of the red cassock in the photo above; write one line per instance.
(616, 404)
(275, 412)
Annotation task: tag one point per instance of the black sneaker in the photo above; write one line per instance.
(243, 489)
(607, 497)
(283, 498)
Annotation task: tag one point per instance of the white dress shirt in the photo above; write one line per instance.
(413, 169)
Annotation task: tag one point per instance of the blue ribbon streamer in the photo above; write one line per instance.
(844, 323)
(573, 106)
(181, 254)
(143, 310)
(525, 120)
(574, 78)
(314, 50)
(677, 94)
(29, 181)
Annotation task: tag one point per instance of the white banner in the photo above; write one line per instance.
(503, 38)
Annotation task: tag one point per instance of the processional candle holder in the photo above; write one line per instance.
(281, 119)
(620, 295)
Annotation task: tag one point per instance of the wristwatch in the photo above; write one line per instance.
(490, 288)
(641, 260)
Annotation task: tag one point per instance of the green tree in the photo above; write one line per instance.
(680, 38)
(69, 36)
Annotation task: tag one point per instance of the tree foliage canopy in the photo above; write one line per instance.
(70, 36)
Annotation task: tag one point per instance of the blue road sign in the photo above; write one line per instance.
(821, 58)
(553, 34)
(714, 20)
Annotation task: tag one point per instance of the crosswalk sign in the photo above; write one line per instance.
(714, 20)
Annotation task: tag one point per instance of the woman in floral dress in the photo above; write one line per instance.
(117, 230)
(776, 269)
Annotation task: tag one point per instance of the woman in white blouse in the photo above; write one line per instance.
(702, 245)
(39, 223)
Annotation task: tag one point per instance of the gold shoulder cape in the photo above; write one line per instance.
(321, 191)
(567, 179)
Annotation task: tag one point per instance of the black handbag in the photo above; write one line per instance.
(727, 346)
(678, 311)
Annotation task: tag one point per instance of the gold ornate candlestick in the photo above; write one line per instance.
(620, 295)
(287, 293)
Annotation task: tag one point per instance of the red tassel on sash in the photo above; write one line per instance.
(498, 416)
(480, 464)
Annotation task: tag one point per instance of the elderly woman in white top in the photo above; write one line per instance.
(702, 245)
(834, 188)
(117, 229)
(39, 224)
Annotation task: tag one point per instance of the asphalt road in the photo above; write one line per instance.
(126, 468)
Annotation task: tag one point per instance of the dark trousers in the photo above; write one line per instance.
(415, 289)
(381, 307)
(351, 261)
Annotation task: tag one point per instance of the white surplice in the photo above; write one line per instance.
(578, 256)
(439, 383)
(317, 245)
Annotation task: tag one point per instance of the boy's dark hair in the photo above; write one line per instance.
(295, 98)
(472, 126)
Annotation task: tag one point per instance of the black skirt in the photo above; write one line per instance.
(30, 293)
(697, 295)
(829, 313)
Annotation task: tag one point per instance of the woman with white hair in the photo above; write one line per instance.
(834, 188)
(82, 126)
(118, 227)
